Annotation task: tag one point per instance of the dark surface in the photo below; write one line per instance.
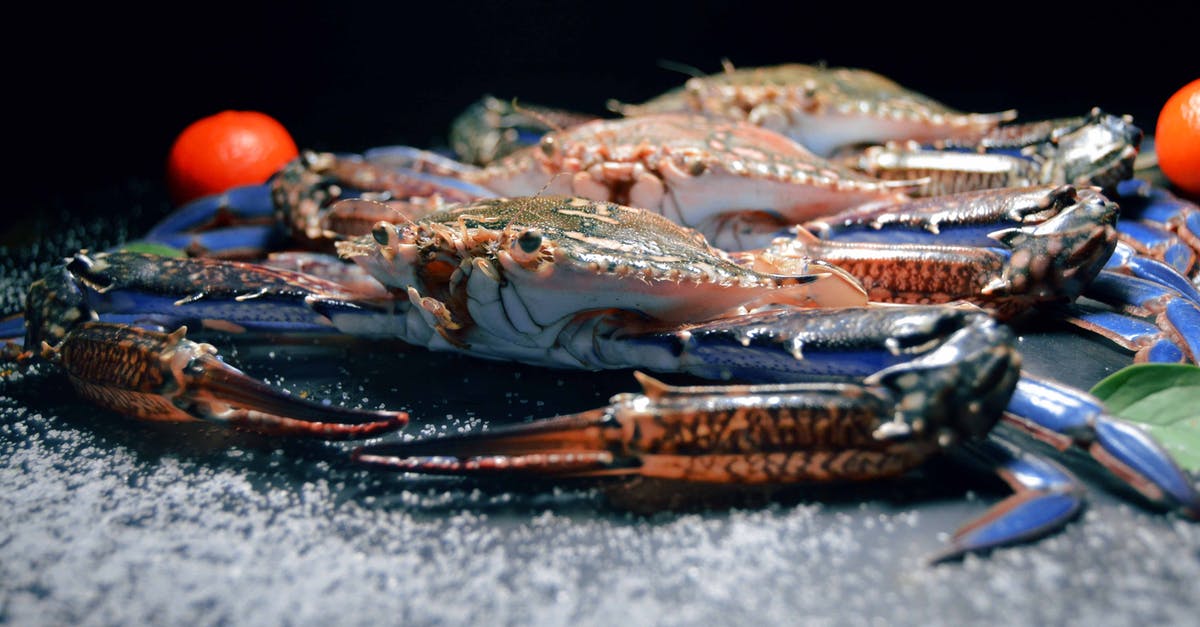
(109, 521)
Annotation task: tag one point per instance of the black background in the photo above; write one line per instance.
(101, 93)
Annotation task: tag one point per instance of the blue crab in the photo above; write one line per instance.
(826, 109)
(568, 281)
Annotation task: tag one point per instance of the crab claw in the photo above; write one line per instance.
(747, 435)
(574, 445)
(165, 376)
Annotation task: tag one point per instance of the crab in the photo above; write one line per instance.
(564, 273)
(826, 109)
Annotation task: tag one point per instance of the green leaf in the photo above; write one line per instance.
(161, 250)
(1165, 399)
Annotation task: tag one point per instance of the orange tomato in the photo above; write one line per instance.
(226, 150)
(1177, 138)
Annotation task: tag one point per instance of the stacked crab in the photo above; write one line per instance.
(840, 253)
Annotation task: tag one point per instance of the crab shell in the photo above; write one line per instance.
(502, 272)
(821, 107)
(691, 168)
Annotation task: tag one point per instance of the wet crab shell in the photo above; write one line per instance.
(549, 258)
(690, 168)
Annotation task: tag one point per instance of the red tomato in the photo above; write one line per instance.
(226, 150)
(1177, 138)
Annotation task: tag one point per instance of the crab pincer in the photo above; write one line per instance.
(165, 376)
(121, 361)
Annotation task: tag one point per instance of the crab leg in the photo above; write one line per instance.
(1141, 201)
(1045, 497)
(248, 203)
(1146, 240)
(1127, 261)
(1067, 418)
(1179, 318)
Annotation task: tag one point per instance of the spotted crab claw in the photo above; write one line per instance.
(167, 377)
(1004, 250)
(856, 344)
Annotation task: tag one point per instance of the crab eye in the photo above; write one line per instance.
(548, 145)
(380, 232)
(530, 241)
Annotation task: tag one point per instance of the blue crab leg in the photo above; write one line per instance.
(1126, 260)
(239, 223)
(1140, 200)
(1178, 317)
(1145, 339)
(230, 242)
(1045, 497)
(786, 344)
(237, 205)
(1067, 418)
(1154, 242)
(12, 329)
(147, 290)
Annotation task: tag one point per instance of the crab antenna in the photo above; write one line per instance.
(349, 202)
(682, 68)
(548, 184)
(537, 115)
